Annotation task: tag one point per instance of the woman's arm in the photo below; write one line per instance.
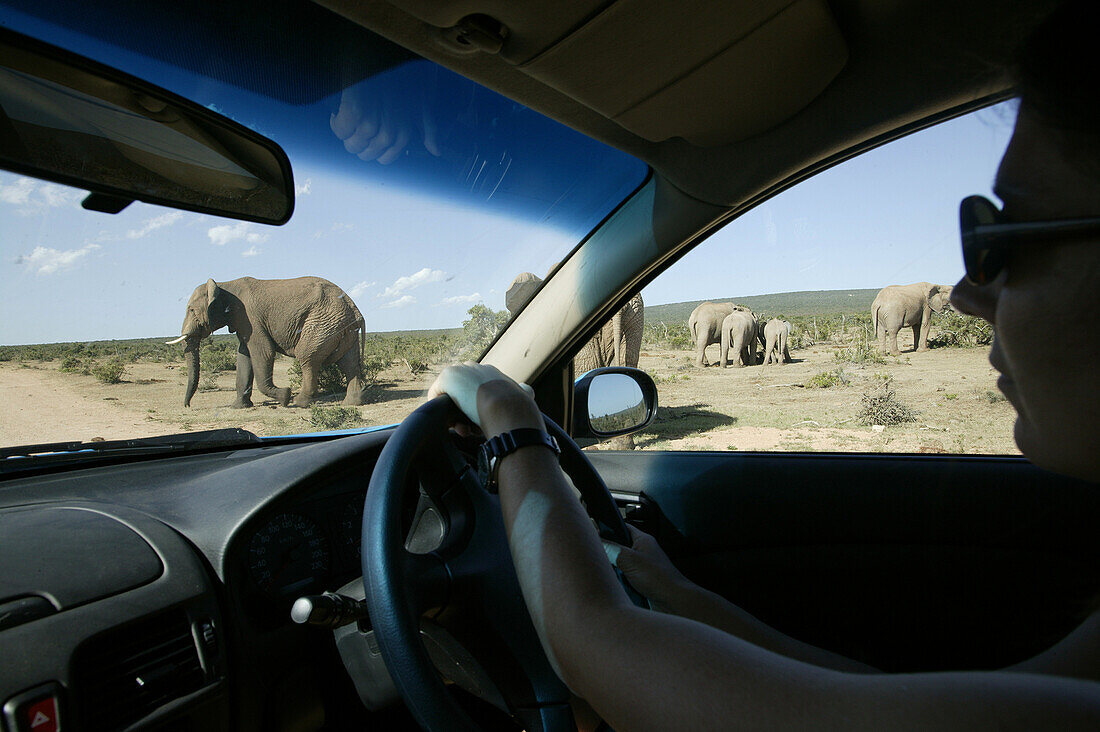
(650, 572)
(646, 670)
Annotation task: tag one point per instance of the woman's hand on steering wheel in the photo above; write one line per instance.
(491, 400)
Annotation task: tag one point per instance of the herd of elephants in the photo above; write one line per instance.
(314, 321)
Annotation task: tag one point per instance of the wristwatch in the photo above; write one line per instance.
(504, 444)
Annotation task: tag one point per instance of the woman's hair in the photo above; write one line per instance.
(1056, 76)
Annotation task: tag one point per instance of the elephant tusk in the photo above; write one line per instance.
(169, 343)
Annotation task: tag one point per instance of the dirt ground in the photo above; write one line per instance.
(751, 408)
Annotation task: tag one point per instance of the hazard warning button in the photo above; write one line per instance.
(35, 710)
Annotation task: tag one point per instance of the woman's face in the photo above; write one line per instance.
(1045, 304)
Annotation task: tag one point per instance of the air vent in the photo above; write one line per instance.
(126, 673)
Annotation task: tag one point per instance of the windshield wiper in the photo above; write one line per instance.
(229, 437)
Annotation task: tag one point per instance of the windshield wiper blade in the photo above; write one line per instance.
(229, 437)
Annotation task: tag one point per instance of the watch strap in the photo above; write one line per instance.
(496, 448)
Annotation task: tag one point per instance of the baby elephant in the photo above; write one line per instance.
(776, 333)
(739, 333)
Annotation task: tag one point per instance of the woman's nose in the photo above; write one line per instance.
(980, 300)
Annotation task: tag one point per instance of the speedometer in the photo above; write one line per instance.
(288, 554)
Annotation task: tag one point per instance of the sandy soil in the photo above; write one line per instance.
(751, 408)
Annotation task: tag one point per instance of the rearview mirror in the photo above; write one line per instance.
(70, 120)
(613, 401)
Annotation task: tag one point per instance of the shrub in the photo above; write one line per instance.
(110, 371)
(862, 349)
(961, 331)
(330, 379)
(209, 382)
(827, 379)
(994, 396)
(672, 336)
(373, 365)
(334, 417)
(880, 405)
(218, 356)
(73, 364)
(480, 329)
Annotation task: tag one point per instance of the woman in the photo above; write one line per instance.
(703, 662)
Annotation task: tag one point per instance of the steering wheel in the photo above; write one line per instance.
(468, 573)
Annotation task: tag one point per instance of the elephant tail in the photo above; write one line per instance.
(874, 318)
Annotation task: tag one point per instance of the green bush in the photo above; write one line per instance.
(110, 371)
(880, 405)
(480, 329)
(960, 331)
(334, 417)
(73, 364)
(862, 349)
(216, 356)
(671, 336)
(329, 381)
(827, 379)
(209, 382)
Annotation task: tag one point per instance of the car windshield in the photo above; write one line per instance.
(419, 197)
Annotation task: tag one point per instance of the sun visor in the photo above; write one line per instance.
(755, 65)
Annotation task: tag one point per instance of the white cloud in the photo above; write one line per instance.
(46, 260)
(157, 222)
(461, 299)
(334, 229)
(222, 235)
(303, 188)
(416, 279)
(18, 192)
(400, 302)
(360, 288)
(34, 195)
(252, 251)
(54, 195)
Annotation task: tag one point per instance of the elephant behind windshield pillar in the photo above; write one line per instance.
(307, 318)
(617, 343)
(899, 306)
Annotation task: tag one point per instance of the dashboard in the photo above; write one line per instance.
(200, 556)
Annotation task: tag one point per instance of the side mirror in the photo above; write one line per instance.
(613, 401)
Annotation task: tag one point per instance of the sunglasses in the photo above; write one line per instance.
(986, 236)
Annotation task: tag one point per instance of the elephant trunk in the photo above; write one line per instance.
(191, 353)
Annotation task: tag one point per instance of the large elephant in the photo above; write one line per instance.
(776, 332)
(307, 318)
(617, 343)
(738, 338)
(899, 306)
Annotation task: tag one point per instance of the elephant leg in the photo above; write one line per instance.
(244, 378)
(920, 332)
(892, 339)
(752, 352)
(701, 350)
(724, 350)
(311, 368)
(353, 374)
(263, 361)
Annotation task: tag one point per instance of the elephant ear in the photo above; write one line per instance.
(938, 297)
(212, 292)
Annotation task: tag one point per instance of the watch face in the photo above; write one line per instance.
(484, 467)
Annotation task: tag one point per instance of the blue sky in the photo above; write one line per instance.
(412, 261)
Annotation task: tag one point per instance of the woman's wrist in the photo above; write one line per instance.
(503, 407)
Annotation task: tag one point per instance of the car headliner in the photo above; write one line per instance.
(907, 64)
